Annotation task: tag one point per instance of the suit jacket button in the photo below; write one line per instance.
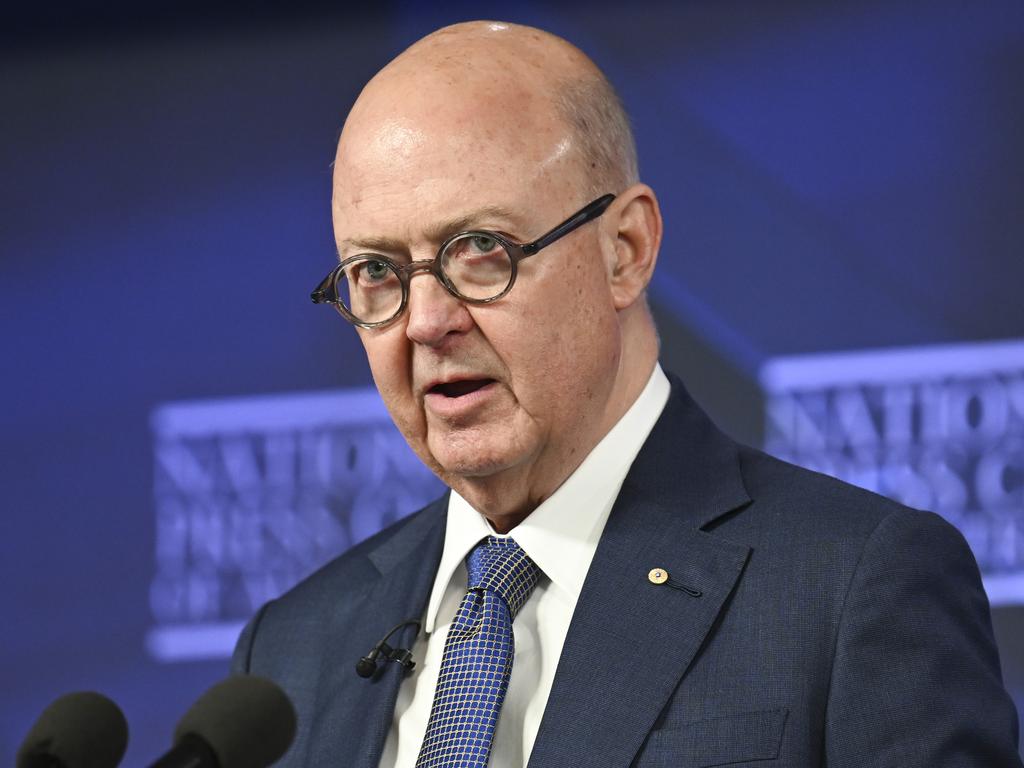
(657, 576)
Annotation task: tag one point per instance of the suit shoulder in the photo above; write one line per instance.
(283, 638)
(821, 503)
(350, 571)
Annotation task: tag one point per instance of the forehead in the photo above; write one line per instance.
(432, 145)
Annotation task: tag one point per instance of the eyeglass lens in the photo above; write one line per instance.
(370, 289)
(478, 266)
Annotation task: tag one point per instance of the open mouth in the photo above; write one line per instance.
(459, 388)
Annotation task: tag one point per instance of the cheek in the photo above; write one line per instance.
(388, 357)
(582, 314)
(567, 352)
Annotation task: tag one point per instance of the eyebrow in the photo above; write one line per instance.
(435, 233)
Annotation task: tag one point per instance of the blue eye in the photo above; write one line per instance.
(483, 243)
(376, 270)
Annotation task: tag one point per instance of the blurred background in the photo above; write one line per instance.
(183, 435)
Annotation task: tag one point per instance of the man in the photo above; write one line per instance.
(679, 600)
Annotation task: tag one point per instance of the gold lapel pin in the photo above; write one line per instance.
(657, 576)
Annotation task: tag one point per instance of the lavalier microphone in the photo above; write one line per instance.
(367, 665)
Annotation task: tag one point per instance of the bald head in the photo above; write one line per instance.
(503, 79)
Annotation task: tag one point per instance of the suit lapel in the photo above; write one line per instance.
(631, 641)
(353, 713)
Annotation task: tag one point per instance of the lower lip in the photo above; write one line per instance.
(459, 406)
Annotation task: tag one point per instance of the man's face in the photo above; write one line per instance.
(513, 389)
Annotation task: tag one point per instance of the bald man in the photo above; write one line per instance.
(610, 580)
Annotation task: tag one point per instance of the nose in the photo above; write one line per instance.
(433, 313)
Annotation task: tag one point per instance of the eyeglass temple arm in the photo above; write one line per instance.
(320, 294)
(591, 211)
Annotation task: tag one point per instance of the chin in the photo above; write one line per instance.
(474, 466)
(473, 459)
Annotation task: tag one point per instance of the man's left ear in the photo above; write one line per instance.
(634, 227)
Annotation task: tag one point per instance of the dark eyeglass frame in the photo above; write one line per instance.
(327, 291)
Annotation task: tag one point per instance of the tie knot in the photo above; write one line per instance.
(502, 566)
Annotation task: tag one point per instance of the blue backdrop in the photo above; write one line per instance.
(836, 177)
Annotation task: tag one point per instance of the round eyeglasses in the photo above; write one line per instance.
(478, 267)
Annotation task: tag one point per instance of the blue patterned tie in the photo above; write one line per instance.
(477, 657)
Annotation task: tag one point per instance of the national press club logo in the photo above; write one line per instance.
(938, 428)
(252, 494)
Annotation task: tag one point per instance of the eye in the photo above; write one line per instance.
(482, 243)
(373, 271)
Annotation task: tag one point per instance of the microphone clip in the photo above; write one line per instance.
(368, 665)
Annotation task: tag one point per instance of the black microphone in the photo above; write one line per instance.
(367, 665)
(78, 730)
(241, 722)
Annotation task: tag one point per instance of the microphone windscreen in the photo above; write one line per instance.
(78, 730)
(248, 721)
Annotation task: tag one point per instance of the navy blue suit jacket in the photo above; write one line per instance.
(805, 623)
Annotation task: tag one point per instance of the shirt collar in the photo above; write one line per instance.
(561, 534)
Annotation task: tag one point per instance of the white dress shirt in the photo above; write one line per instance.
(561, 537)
